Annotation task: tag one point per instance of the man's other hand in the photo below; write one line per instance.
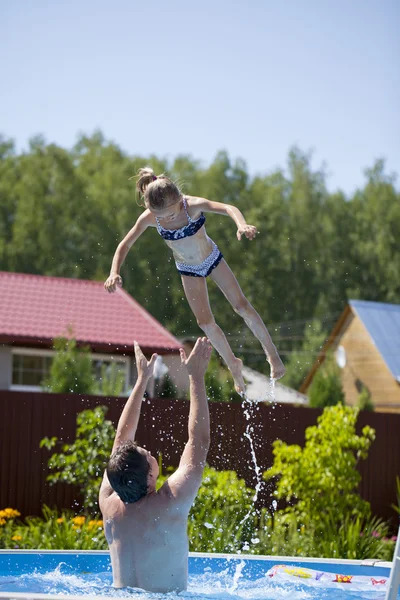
(199, 358)
(144, 367)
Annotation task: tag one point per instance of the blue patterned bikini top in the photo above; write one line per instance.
(186, 231)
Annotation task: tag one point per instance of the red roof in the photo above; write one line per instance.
(35, 309)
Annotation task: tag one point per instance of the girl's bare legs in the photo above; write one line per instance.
(227, 282)
(196, 292)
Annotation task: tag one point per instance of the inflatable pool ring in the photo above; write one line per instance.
(361, 583)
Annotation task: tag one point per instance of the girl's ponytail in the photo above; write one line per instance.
(145, 176)
(159, 195)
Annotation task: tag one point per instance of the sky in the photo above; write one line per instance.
(170, 78)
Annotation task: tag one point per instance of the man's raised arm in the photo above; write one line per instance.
(186, 480)
(129, 419)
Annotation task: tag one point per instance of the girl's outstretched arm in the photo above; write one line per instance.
(123, 248)
(204, 205)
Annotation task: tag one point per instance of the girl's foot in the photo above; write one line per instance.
(277, 368)
(236, 370)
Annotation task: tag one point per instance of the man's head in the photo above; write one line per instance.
(132, 472)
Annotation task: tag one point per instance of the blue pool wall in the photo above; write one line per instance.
(16, 562)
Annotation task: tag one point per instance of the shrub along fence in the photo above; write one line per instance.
(26, 418)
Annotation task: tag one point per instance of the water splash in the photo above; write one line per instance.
(237, 575)
(248, 406)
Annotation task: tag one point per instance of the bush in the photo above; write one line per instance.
(301, 360)
(365, 400)
(167, 389)
(7, 525)
(82, 463)
(326, 388)
(112, 381)
(64, 531)
(322, 476)
(325, 517)
(396, 507)
(217, 518)
(219, 384)
(71, 369)
(350, 538)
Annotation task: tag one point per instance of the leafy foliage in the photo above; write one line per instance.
(64, 531)
(219, 382)
(223, 518)
(167, 389)
(71, 369)
(112, 381)
(301, 360)
(350, 538)
(365, 400)
(326, 388)
(63, 212)
(217, 518)
(82, 463)
(324, 469)
(394, 506)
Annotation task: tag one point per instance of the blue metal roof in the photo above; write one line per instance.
(382, 322)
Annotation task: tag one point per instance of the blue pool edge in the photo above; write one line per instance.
(88, 559)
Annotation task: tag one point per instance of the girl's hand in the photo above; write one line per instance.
(112, 282)
(248, 230)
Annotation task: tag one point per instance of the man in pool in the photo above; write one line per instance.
(146, 530)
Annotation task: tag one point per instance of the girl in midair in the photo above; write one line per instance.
(179, 219)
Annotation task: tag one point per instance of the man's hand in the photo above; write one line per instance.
(112, 282)
(144, 367)
(248, 230)
(199, 358)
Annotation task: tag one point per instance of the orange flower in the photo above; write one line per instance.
(60, 520)
(95, 523)
(10, 513)
(16, 538)
(79, 520)
(2, 521)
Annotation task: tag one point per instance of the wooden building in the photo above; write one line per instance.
(366, 344)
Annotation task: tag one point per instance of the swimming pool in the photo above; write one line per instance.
(36, 574)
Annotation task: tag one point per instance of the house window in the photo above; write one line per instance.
(31, 367)
(114, 371)
(30, 370)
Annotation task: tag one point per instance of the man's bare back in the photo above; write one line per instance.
(148, 537)
(148, 542)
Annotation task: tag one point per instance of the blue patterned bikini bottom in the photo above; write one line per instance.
(204, 268)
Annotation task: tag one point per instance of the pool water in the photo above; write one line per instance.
(211, 577)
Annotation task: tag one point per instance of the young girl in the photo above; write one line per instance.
(179, 219)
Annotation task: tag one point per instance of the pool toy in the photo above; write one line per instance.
(315, 578)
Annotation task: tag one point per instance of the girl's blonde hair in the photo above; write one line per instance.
(157, 191)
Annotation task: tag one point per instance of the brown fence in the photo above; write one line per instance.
(25, 418)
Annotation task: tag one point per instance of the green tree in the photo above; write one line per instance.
(301, 361)
(326, 388)
(321, 478)
(71, 369)
(9, 174)
(82, 463)
(63, 212)
(219, 384)
(365, 400)
(112, 381)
